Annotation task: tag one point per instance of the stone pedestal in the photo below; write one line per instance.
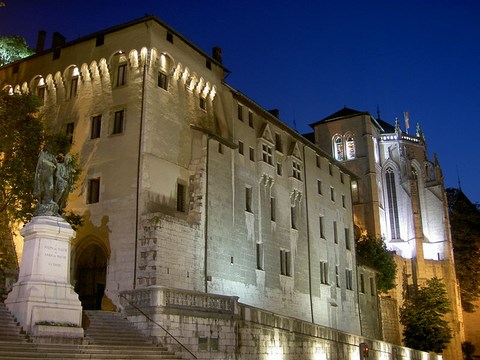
(43, 299)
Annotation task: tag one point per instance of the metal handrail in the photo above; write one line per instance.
(156, 323)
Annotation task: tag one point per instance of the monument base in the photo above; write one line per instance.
(43, 298)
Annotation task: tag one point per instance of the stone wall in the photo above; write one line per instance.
(218, 327)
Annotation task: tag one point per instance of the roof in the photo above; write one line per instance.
(115, 28)
(341, 114)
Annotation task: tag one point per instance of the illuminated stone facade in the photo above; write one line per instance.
(399, 196)
(189, 185)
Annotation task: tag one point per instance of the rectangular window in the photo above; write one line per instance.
(121, 74)
(267, 154)
(162, 80)
(41, 94)
(69, 131)
(332, 194)
(335, 232)
(240, 112)
(220, 148)
(347, 239)
(343, 201)
(355, 191)
(240, 148)
(278, 142)
(285, 262)
(296, 170)
(250, 119)
(337, 276)
(342, 180)
(208, 64)
(330, 169)
(118, 122)
(259, 256)
(279, 169)
(324, 272)
(362, 283)
(73, 87)
(318, 162)
(349, 279)
(252, 154)
(272, 209)
(96, 126)
(180, 197)
(293, 216)
(170, 37)
(322, 227)
(248, 199)
(100, 40)
(372, 286)
(319, 187)
(93, 191)
(203, 103)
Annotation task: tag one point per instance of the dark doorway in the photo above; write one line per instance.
(91, 275)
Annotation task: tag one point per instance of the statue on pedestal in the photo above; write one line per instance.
(54, 177)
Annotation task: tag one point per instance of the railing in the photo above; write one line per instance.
(156, 323)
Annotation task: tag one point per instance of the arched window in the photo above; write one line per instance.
(392, 203)
(350, 146)
(338, 152)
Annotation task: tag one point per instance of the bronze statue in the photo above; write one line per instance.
(53, 182)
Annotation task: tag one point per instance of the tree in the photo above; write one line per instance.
(13, 48)
(374, 253)
(465, 227)
(422, 317)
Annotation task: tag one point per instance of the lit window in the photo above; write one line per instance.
(162, 80)
(355, 198)
(338, 148)
(296, 170)
(118, 122)
(350, 146)
(93, 191)
(324, 272)
(96, 126)
(285, 262)
(180, 197)
(267, 154)
(248, 199)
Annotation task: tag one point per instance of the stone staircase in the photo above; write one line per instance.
(107, 336)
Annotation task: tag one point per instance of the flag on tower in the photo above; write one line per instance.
(407, 120)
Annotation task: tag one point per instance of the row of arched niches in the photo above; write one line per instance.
(115, 71)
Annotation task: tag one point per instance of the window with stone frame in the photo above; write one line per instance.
(267, 154)
(324, 272)
(96, 127)
(285, 262)
(296, 170)
(162, 80)
(118, 122)
(93, 191)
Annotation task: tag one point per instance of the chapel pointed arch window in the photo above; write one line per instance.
(392, 203)
(338, 151)
(350, 147)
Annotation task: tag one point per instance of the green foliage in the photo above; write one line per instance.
(375, 254)
(422, 317)
(465, 227)
(13, 48)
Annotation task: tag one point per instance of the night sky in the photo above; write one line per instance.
(312, 58)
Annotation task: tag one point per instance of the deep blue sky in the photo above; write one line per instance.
(311, 58)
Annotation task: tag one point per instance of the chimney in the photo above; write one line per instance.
(57, 40)
(217, 53)
(42, 34)
(275, 112)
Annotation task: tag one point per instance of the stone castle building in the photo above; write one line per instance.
(217, 220)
